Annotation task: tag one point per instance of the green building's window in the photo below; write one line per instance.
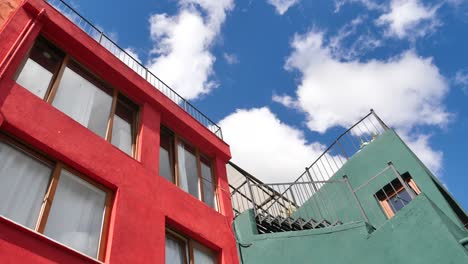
(393, 196)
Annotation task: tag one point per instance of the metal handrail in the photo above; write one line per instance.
(337, 140)
(98, 35)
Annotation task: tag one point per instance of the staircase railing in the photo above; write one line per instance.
(313, 195)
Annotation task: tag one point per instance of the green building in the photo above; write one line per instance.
(366, 199)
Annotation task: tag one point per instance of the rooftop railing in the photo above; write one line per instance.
(134, 64)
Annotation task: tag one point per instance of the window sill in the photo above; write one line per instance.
(46, 240)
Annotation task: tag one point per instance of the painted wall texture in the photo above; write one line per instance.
(144, 203)
(420, 233)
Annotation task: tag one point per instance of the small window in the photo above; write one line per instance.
(184, 165)
(53, 200)
(394, 196)
(181, 250)
(55, 77)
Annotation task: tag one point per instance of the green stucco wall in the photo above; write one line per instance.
(419, 233)
(364, 165)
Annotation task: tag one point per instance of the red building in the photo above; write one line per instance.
(96, 164)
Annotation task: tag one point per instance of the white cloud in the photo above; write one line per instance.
(266, 147)
(409, 18)
(406, 90)
(285, 100)
(182, 45)
(282, 6)
(230, 58)
(419, 144)
(369, 4)
(363, 43)
(133, 54)
(461, 79)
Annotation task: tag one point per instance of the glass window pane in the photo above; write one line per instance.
(208, 190)
(39, 68)
(188, 174)
(122, 128)
(203, 255)
(76, 215)
(23, 184)
(400, 200)
(80, 97)
(176, 251)
(165, 156)
(122, 135)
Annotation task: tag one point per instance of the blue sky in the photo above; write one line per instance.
(284, 77)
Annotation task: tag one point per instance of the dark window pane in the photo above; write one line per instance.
(188, 172)
(36, 74)
(399, 200)
(208, 183)
(84, 99)
(122, 128)
(166, 167)
(23, 183)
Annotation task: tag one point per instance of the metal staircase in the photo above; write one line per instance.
(314, 199)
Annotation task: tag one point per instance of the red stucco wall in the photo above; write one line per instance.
(144, 203)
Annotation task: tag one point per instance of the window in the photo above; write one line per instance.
(52, 199)
(181, 250)
(53, 76)
(184, 165)
(393, 197)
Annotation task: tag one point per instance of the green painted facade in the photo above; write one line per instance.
(427, 230)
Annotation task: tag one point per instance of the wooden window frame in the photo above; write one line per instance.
(189, 246)
(174, 154)
(57, 78)
(56, 168)
(385, 203)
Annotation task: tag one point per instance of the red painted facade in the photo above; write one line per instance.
(144, 203)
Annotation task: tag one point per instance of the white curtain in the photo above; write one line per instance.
(122, 135)
(83, 101)
(35, 78)
(77, 214)
(183, 184)
(175, 251)
(23, 183)
(188, 173)
(202, 255)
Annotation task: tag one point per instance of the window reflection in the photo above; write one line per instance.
(36, 74)
(79, 97)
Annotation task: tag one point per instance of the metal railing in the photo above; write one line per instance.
(350, 142)
(134, 64)
(313, 195)
(241, 192)
(314, 200)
